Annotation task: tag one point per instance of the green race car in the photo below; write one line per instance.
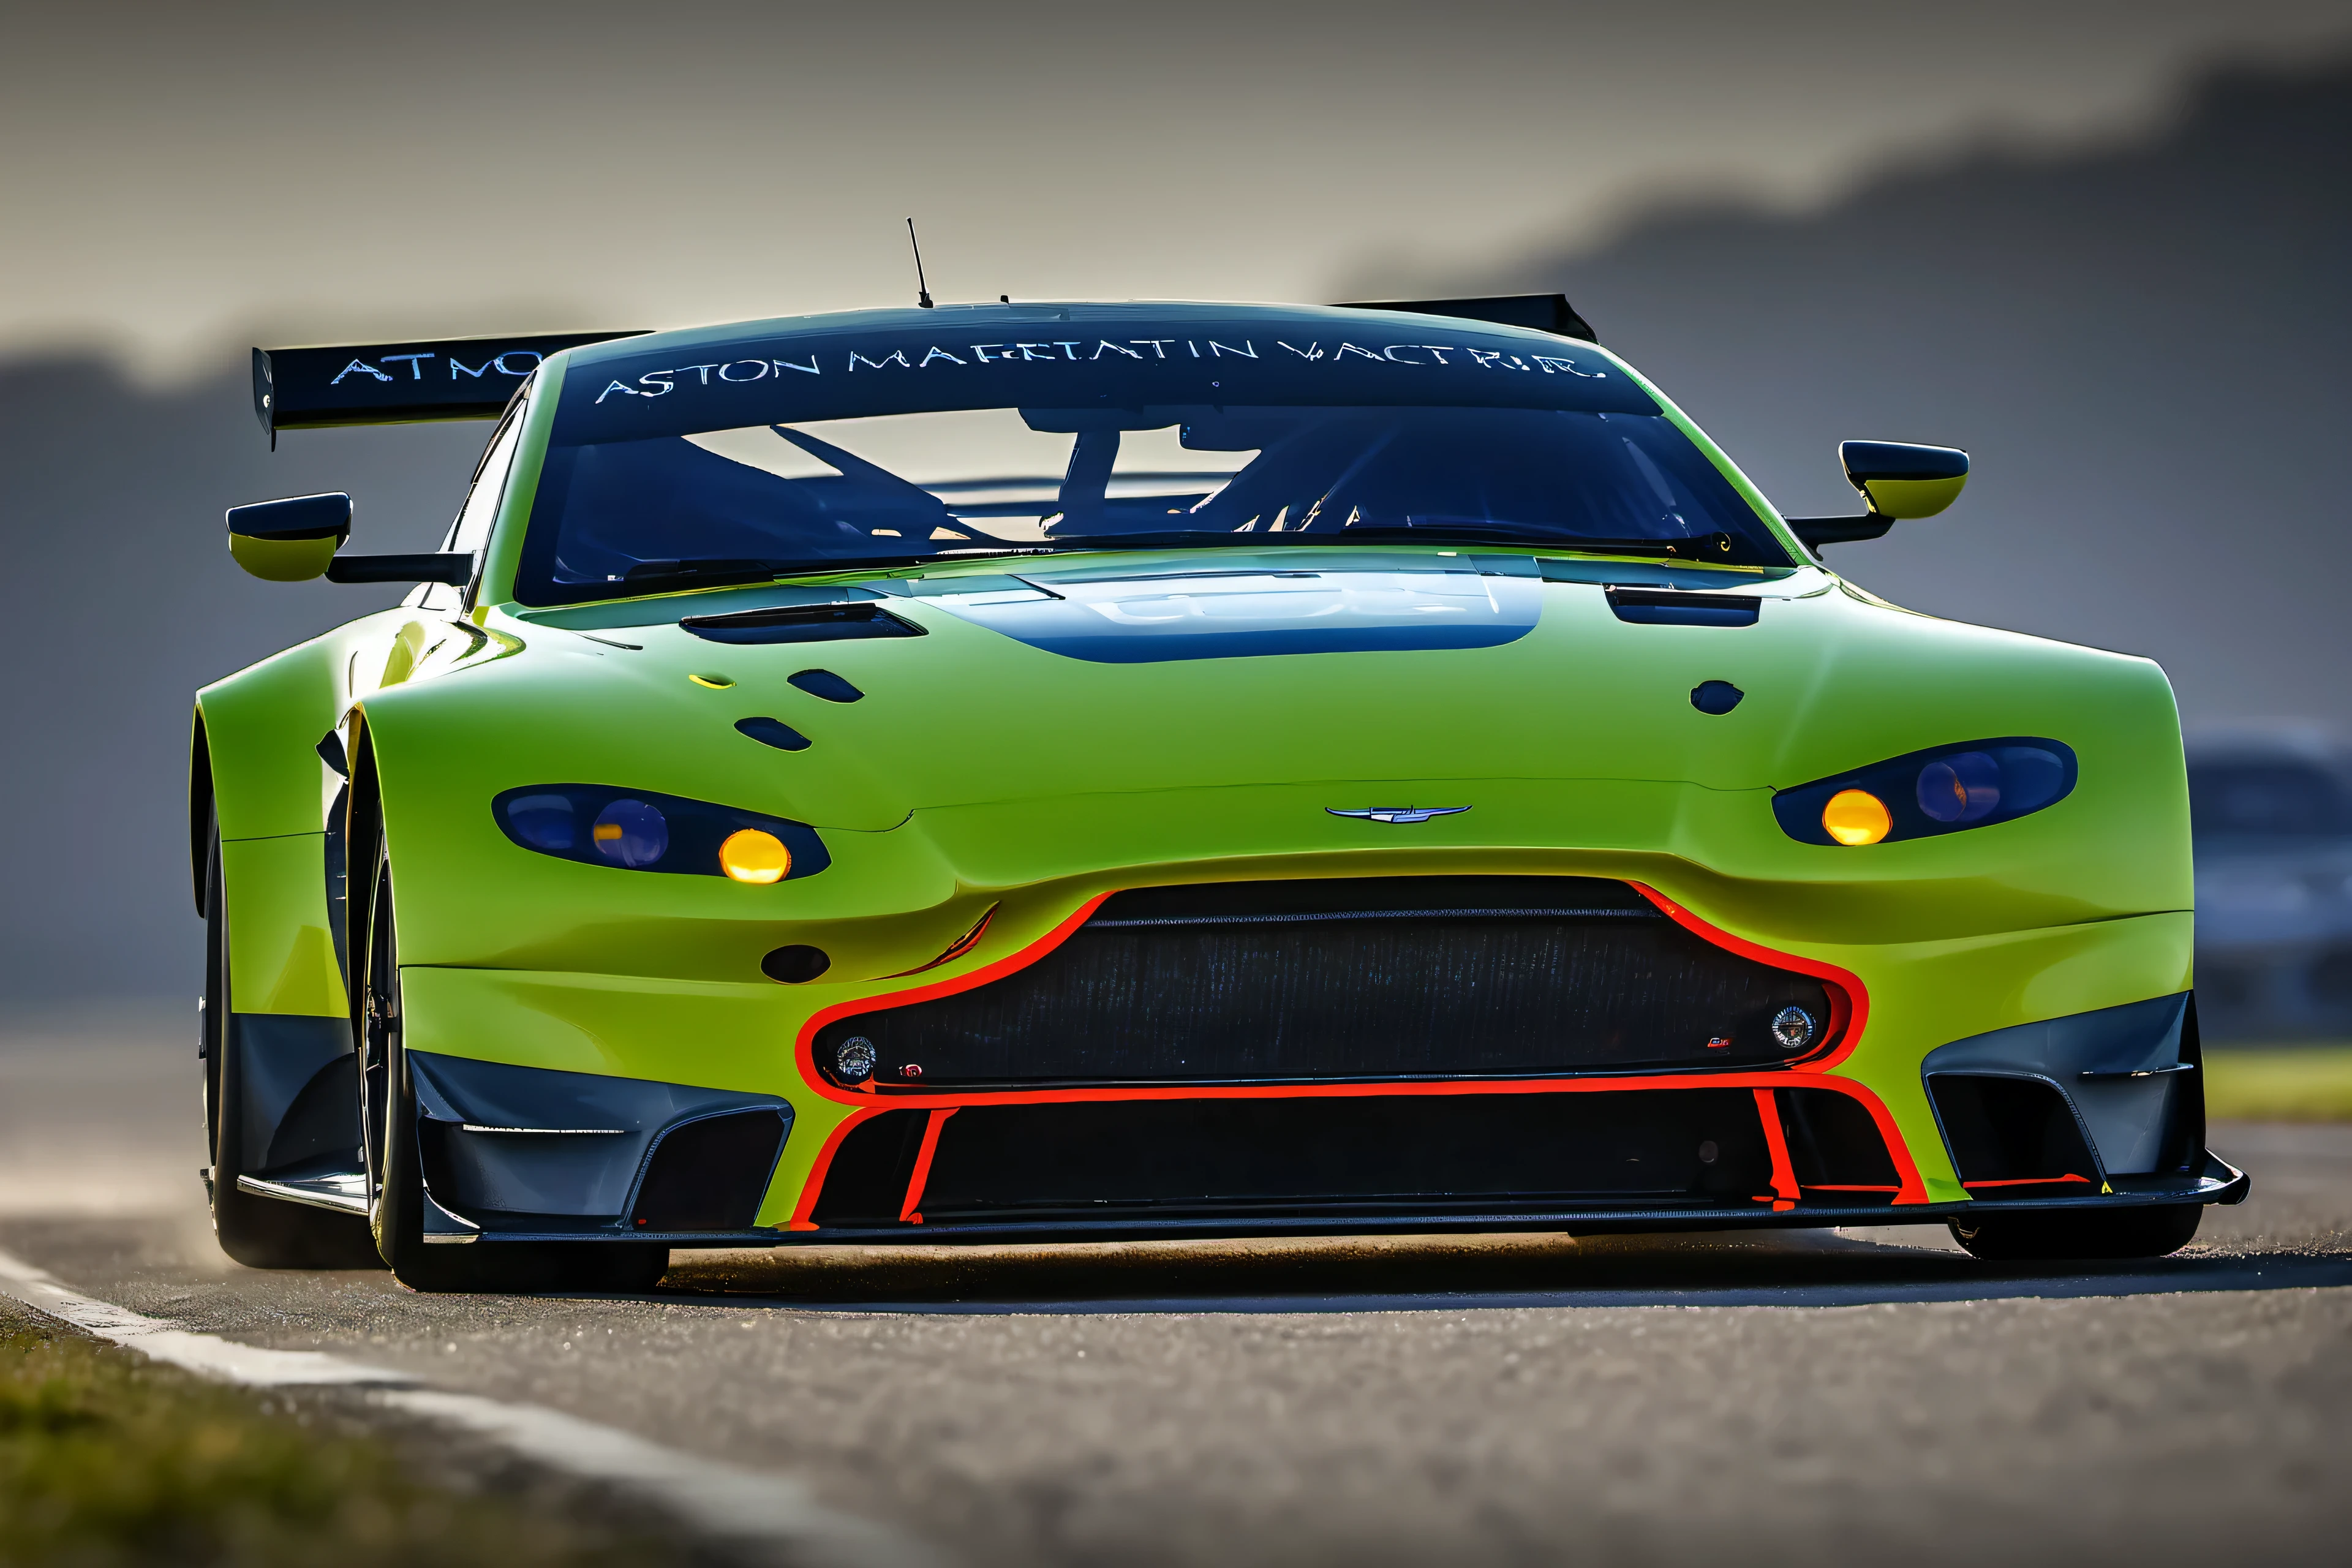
(1085, 770)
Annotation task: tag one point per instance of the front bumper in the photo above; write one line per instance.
(752, 1041)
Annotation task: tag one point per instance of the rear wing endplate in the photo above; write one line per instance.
(1544, 313)
(399, 383)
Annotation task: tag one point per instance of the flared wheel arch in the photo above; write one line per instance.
(200, 804)
(362, 841)
(482, 1266)
(257, 1231)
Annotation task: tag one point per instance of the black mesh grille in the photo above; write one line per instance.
(1423, 1153)
(1351, 978)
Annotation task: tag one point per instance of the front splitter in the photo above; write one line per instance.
(2221, 1183)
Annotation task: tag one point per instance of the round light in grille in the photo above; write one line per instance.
(1793, 1028)
(853, 1059)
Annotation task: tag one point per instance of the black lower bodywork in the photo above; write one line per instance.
(1342, 1056)
(512, 1149)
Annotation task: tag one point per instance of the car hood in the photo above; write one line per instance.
(1390, 676)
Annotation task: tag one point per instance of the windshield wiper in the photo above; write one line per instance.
(654, 576)
(885, 562)
(1704, 547)
(662, 576)
(1714, 546)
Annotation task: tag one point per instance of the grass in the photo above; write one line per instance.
(2285, 1083)
(106, 1461)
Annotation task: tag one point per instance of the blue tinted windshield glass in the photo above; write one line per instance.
(764, 457)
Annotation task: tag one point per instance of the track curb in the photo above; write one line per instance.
(774, 1515)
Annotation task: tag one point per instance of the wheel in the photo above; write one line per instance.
(258, 1231)
(397, 1197)
(2117, 1233)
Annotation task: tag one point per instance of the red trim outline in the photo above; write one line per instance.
(1849, 1013)
(911, 1211)
(2030, 1182)
(1784, 1171)
(1849, 998)
(824, 1166)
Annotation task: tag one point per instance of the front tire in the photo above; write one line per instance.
(2029, 1237)
(258, 1231)
(396, 1190)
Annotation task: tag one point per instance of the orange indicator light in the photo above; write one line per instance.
(1855, 816)
(750, 855)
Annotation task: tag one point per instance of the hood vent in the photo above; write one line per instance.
(836, 622)
(1651, 608)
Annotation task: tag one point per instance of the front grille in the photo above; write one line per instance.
(1362, 978)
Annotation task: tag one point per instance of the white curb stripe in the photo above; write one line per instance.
(717, 1497)
(158, 1341)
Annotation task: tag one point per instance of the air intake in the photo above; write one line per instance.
(2012, 1137)
(710, 1173)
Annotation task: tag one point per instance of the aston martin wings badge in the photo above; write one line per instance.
(1397, 813)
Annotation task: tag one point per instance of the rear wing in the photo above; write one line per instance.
(399, 383)
(1544, 313)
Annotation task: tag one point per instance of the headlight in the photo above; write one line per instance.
(602, 825)
(755, 856)
(631, 832)
(1973, 784)
(1856, 817)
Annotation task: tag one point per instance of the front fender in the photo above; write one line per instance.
(257, 774)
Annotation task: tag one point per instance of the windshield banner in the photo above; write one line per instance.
(1267, 360)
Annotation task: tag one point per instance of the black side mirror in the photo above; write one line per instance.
(295, 540)
(289, 541)
(1897, 479)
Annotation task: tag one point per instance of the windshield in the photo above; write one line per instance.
(820, 453)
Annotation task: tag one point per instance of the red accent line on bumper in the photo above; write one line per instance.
(1849, 1013)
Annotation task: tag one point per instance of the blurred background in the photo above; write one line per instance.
(2105, 246)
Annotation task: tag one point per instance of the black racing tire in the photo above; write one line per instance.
(258, 1231)
(2030, 1237)
(396, 1190)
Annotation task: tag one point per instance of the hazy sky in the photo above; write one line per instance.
(177, 177)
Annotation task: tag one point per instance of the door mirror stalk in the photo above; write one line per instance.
(1897, 479)
(295, 539)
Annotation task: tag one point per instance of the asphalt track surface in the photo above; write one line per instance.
(1810, 1397)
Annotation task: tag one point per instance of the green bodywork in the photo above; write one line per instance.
(984, 772)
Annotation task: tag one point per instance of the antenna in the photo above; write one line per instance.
(922, 290)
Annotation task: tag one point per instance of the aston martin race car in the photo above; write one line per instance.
(1059, 772)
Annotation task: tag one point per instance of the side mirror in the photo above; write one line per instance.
(289, 541)
(295, 540)
(1897, 479)
(1900, 481)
